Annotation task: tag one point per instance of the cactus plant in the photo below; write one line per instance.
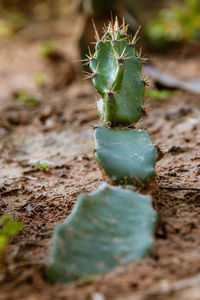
(112, 226)
(116, 75)
(126, 156)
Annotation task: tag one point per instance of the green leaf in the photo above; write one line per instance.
(4, 219)
(7, 230)
(3, 241)
(11, 228)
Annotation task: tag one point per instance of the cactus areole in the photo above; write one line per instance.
(116, 75)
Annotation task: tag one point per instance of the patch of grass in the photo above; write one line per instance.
(42, 165)
(8, 228)
(27, 99)
(158, 94)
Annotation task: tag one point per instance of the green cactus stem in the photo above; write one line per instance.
(106, 228)
(126, 156)
(116, 75)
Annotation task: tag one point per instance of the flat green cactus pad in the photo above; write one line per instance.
(106, 228)
(116, 75)
(126, 156)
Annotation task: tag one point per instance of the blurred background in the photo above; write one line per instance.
(47, 110)
(43, 42)
(164, 22)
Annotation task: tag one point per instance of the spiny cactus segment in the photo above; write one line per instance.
(112, 226)
(116, 75)
(126, 155)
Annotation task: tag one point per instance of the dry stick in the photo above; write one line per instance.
(177, 188)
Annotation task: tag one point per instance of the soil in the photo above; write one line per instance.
(59, 131)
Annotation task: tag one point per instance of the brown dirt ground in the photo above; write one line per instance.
(60, 130)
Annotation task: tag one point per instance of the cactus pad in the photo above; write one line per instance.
(126, 156)
(116, 75)
(109, 227)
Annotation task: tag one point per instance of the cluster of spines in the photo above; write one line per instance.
(114, 29)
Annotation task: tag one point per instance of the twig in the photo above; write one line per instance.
(177, 188)
(57, 197)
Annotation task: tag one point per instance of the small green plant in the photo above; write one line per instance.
(27, 99)
(42, 165)
(8, 228)
(48, 47)
(114, 225)
(179, 24)
(158, 94)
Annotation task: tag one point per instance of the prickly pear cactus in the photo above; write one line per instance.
(109, 227)
(126, 156)
(112, 226)
(116, 75)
